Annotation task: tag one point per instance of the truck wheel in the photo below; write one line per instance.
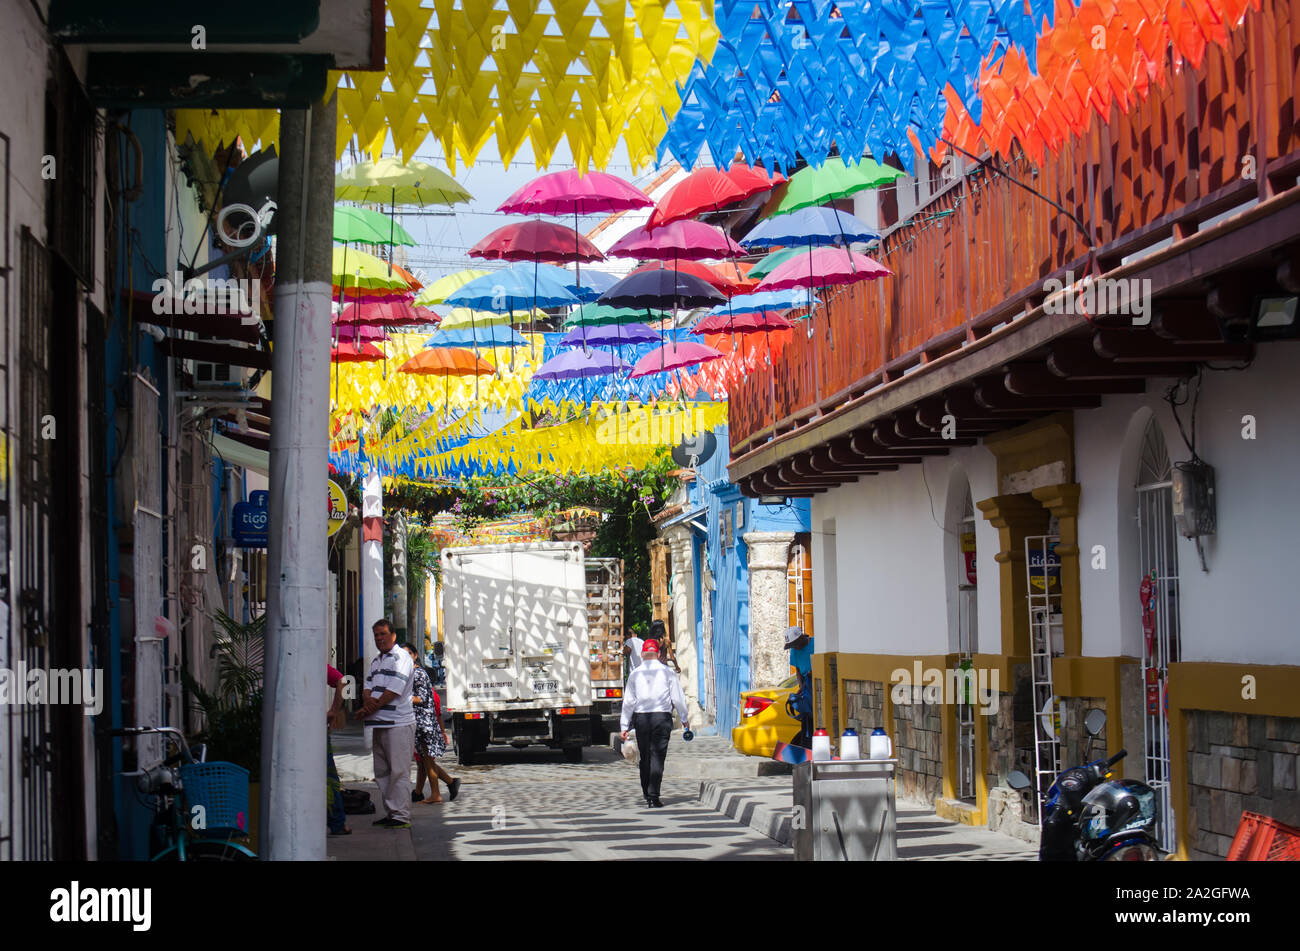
(573, 754)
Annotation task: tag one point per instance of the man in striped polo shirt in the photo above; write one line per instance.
(388, 710)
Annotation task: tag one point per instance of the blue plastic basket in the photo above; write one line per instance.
(222, 790)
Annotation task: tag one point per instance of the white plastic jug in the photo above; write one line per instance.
(881, 747)
(850, 748)
(821, 746)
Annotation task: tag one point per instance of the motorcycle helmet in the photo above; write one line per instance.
(1114, 809)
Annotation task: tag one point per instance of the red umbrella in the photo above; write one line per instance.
(705, 189)
(675, 355)
(354, 332)
(351, 352)
(754, 179)
(684, 240)
(741, 323)
(701, 271)
(535, 241)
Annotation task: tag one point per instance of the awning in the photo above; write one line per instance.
(236, 453)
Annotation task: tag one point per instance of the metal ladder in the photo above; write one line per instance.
(1045, 619)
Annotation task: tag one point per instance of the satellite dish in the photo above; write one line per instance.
(695, 450)
(251, 194)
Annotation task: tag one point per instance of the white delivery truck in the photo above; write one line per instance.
(605, 636)
(515, 628)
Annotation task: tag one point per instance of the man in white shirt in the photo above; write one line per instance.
(652, 692)
(388, 710)
(632, 651)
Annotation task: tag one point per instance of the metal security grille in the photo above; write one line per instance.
(1158, 565)
(966, 646)
(35, 584)
(71, 134)
(9, 764)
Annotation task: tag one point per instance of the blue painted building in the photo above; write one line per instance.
(723, 621)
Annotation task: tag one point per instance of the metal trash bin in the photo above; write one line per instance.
(848, 812)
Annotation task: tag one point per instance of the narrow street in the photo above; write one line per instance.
(530, 803)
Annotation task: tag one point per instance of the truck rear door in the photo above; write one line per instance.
(479, 649)
(549, 626)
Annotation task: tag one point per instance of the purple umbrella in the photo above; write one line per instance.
(609, 335)
(577, 364)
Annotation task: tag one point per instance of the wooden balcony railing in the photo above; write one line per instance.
(980, 250)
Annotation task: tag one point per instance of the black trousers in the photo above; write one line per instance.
(652, 733)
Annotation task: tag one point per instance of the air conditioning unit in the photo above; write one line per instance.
(217, 375)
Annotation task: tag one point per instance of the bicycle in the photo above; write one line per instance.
(200, 808)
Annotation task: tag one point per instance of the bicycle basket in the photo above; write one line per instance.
(222, 790)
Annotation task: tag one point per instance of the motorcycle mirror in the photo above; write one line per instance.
(1018, 780)
(1094, 722)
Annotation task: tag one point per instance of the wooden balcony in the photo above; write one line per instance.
(977, 255)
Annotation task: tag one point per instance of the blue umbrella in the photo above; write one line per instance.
(595, 283)
(497, 335)
(809, 226)
(533, 285)
(609, 335)
(763, 301)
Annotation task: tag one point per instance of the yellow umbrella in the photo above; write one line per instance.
(388, 181)
(464, 317)
(437, 292)
(353, 269)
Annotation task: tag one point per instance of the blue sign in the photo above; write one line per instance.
(249, 521)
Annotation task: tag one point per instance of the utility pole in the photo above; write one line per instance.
(397, 612)
(292, 813)
(372, 569)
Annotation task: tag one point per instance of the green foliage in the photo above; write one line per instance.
(233, 710)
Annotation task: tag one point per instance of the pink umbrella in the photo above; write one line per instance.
(390, 312)
(353, 332)
(571, 192)
(675, 355)
(823, 267)
(685, 239)
(535, 241)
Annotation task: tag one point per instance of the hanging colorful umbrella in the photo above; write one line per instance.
(364, 226)
(389, 181)
(809, 226)
(834, 179)
(823, 267)
(352, 332)
(535, 241)
(518, 284)
(592, 315)
(776, 301)
(386, 312)
(490, 336)
(684, 240)
(356, 353)
(579, 364)
(594, 283)
(436, 293)
(768, 264)
(746, 323)
(571, 192)
(460, 317)
(355, 270)
(705, 189)
(447, 362)
(674, 355)
(754, 179)
(609, 335)
(701, 272)
(660, 288)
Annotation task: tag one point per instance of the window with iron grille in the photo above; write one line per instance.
(70, 136)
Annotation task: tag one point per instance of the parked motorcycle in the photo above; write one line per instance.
(1089, 817)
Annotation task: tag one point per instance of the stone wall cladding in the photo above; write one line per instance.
(1075, 749)
(918, 745)
(864, 707)
(1011, 730)
(1239, 763)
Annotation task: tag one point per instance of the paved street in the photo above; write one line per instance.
(532, 804)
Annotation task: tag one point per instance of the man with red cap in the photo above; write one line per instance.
(651, 694)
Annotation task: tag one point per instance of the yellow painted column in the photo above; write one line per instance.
(1063, 502)
(1015, 517)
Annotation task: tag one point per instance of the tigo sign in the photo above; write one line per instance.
(249, 521)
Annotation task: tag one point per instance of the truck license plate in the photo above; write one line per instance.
(545, 686)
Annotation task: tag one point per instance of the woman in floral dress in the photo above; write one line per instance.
(430, 738)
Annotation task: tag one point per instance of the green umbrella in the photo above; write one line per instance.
(770, 263)
(835, 179)
(363, 226)
(589, 315)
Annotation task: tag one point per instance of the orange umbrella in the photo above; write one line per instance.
(447, 362)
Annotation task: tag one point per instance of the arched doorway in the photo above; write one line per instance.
(1158, 586)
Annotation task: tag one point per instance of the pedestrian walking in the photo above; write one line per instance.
(632, 651)
(336, 816)
(652, 692)
(388, 710)
(430, 737)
